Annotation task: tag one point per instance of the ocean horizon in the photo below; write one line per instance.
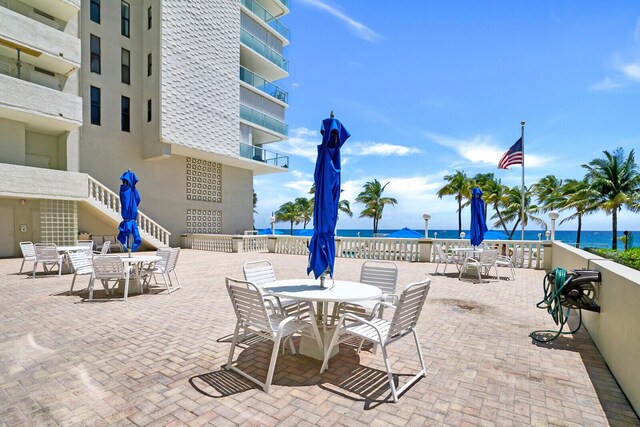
(588, 238)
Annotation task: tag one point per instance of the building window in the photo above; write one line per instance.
(125, 114)
(148, 110)
(125, 18)
(95, 105)
(95, 54)
(95, 11)
(126, 66)
(149, 65)
(149, 20)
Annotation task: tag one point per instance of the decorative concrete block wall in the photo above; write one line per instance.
(204, 221)
(58, 222)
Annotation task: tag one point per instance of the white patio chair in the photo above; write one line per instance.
(47, 255)
(107, 268)
(381, 274)
(163, 267)
(115, 244)
(105, 247)
(81, 264)
(261, 272)
(252, 317)
(506, 261)
(383, 332)
(28, 253)
(87, 244)
(446, 259)
(98, 241)
(483, 265)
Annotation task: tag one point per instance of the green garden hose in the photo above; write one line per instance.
(553, 303)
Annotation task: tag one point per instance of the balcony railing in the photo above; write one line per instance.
(263, 14)
(285, 2)
(264, 50)
(260, 154)
(263, 120)
(265, 86)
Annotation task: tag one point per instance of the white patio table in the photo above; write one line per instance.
(309, 290)
(137, 261)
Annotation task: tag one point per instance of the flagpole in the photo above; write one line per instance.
(522, 204)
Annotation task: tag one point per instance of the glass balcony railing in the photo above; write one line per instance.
(285, 2)
(263, 120)
(263, 14)
(260, 154)
(264, 85)
(264, 50)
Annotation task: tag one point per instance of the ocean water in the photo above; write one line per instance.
(588, 238)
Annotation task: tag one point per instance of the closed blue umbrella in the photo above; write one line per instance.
(478, 223)
(129, 201)
(322, 247)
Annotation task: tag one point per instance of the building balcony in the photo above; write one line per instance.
(266, 128)
(276, 7)
(263, 14)
(257, 56)
(39, 45)
(263, 85)
(259, 154)
(64, 10)
(42, 108)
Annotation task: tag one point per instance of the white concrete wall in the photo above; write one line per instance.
(30, 182)
(616, 329)
(12, 141)
(27, 214)
(200, 68)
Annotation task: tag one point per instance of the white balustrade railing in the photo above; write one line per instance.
(524, 253)
(255, 244)
(111, 201)
(378, 248)
(208, 242)
(292, 245)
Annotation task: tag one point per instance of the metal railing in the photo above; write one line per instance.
(260, 154)
(111, 201)
(261, 48)
(263, 120)
(262, 13)
(285, 2)
(263, 85)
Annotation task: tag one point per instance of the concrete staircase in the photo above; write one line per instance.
(107, 203)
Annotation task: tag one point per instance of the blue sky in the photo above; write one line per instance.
(426, 88)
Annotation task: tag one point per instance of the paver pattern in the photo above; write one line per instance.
(158, 359)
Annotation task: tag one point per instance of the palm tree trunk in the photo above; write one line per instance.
(291, 230)
(500, 218)
(459, 216)
(515, 226)
(579, 230)
(614, 220)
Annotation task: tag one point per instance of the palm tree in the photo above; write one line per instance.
(457, 185)
(288, 212)
(343, 205)
(374, 203)
(305, 208)
(580, 196)
(548, 193)
(495, 194)
(511, 212)
(616, 181)
(255, 202)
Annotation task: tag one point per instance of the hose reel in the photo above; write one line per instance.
(574, 290)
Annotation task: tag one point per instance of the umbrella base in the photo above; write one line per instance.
(309, 346)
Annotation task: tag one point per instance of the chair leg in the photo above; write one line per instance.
(91, 282)
(21, 265)
(332, 344)
(389, 374)
(35, 266)
(272, 363)
(234, 342)
(424, 368)
(75, 274)
(127, 276)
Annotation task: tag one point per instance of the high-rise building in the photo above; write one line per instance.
(180, 92)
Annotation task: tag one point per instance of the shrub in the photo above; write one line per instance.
(630, 258)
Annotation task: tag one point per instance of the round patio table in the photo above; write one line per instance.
(309, 290)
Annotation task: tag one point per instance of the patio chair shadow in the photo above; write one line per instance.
(220, 383)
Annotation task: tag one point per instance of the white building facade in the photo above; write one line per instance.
(179, 92)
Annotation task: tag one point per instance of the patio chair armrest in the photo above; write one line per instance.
(389, 299)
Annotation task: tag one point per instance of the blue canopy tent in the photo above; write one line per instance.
(129, 201)
(405, 233)
(322, 248)
(495, 235)
(305, 232)
(265, 231)
(478, 224)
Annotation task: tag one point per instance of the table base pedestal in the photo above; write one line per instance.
(309, 346)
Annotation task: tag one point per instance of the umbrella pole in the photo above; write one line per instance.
(129, 243)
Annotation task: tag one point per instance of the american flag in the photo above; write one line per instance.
(512, 157)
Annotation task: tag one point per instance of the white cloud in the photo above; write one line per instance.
(380, 149)
(606, 84)
(627, 72)
(360, 30)
(295, 85)
(484, 150)
(632, 71)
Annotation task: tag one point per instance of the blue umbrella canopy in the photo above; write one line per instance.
(129, 201)
(322, 247)
(478, 223)
(405, 233)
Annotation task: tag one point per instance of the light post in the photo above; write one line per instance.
(426, 216)
(539, 236)
(272, 220)
(462, 234)
(435, 234)
(547, 234)
(553, 215)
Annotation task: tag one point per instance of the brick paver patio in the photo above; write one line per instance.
(157, 359)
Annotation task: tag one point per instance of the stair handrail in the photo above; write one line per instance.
(108, 198)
